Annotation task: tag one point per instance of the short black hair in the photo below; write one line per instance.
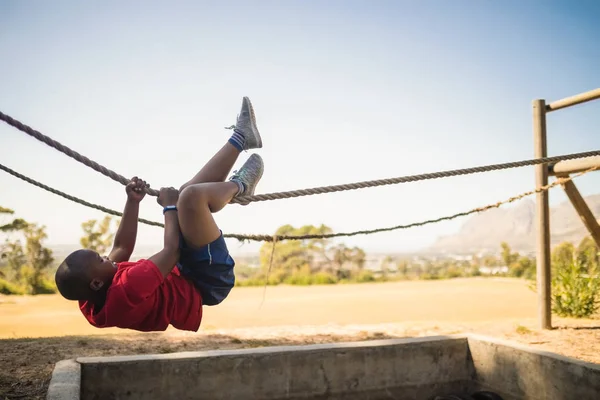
(72, 277)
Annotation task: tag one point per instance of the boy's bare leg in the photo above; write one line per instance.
(198, 201)
(217, 168)
(245, 137)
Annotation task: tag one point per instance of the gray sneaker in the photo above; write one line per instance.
(249, 175)
(246, 124)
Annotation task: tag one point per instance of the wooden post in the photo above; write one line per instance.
(583, 210)
(574, 100)
(566, 167)
(542, 218)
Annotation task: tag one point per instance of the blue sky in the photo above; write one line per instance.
(344, 91)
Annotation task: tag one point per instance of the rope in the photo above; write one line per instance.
(271, 257)
(303, 192)
(73, 198)
(71, 153)
(415, 178)
(276, 238)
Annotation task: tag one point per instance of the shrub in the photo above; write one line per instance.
(575, 292)
(452, 272)
(430, 276)
(364, 276)
(250, 282)
(275, 277)
(8, 288)
(323, 278)
(43, 286)
(298, 278)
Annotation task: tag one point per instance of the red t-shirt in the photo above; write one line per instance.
(140, 298)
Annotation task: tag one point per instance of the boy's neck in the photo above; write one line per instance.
(100, 299)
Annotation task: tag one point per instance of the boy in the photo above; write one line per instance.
(193, 268)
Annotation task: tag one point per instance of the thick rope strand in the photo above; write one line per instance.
(415, 178)
(276, 238)
(69, 152)
(73, 198)
(303, 192)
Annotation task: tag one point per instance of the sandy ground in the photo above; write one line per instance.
(500, 308)
(455, 301)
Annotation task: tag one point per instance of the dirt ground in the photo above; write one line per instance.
(39, 331)
(455, 301)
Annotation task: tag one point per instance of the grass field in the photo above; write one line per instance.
(38, 331)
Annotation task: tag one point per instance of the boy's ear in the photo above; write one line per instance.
(96, 284)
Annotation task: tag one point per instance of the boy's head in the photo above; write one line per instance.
(84, 274)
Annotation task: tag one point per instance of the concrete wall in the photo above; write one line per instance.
(391, 369)
(518, 372)
(66, 381)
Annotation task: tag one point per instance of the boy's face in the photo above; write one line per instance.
(101, 269)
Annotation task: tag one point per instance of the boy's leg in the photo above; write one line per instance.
(217, 168)
(198, 201)
(245, 137)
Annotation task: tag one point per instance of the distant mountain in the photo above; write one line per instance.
(515, 226)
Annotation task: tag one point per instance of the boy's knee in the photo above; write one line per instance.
(190, 198)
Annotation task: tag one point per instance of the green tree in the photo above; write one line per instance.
(339, 255)
(291, 255)
(402, 267)
(340, 258)
(15, 225)
(588, 253)
(14, 256)
(30, 263)
(358, 258)
(309, 261)
(346, 261)
(386, 267)
(562, 256)
(507, 256)
(523, 268)
(97, 235)
(418, 270)
(38, 259)
(575, 292)
(575, 280)
(11, 255)
(490, 261)
(453, 271)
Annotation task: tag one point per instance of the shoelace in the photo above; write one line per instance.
(236, 175)
(233, 126)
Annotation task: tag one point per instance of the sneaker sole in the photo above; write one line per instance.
(262, 171)
(253, 125)
(252, 189)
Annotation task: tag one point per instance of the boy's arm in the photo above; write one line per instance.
(127, 231)
(166, 259)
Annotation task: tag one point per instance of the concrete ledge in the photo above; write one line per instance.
(356, 370)
(65, 383)
(411, 369)
(516, 371)
(270, 349)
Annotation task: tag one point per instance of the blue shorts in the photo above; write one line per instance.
(210, 268)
